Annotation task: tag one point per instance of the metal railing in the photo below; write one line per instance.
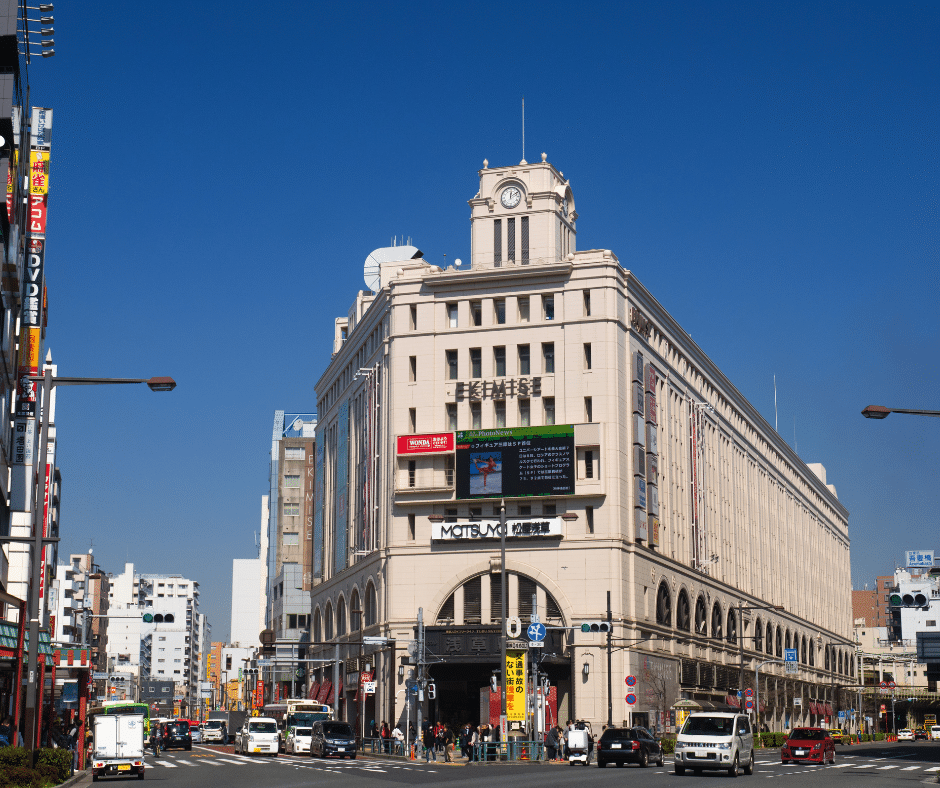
(514, 750)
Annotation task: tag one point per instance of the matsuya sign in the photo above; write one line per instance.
(490, 529)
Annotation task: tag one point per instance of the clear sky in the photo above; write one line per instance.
(221, 170)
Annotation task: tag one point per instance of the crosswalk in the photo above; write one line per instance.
(212, 760)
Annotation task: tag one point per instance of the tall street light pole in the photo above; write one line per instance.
(741, 608)
(881, 412)
(35, 614)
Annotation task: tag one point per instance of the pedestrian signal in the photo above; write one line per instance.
(432, 691)
(494, 685)
(595, 626)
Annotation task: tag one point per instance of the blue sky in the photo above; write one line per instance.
(220, 172)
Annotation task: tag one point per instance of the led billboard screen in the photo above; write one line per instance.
(515, 462)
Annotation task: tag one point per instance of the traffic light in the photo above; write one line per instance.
(907, 599)
(251, 673)
(432, 691)
(148, 618)
(596, 626)
(117, 679)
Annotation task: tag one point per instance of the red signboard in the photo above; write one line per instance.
(37, 213)
(438, 443)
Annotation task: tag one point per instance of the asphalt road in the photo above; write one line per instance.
(899, 764)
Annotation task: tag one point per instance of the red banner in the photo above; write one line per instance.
(438, 443)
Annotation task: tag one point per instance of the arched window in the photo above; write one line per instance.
(732, 626)
(759, 636)
(812, 653)
(701, 617)
(341, 617)
(779, 643)
(840, 663)
(663, 605)
(683, 612)
(371, 605)
(328, 621)
(787, 639)
(355, 612)
(317, 626)
(717, 633)
(770, 638)
(827, 662)
(802, 658)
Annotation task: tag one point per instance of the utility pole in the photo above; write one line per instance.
(503, 601)
(419, 673)
(610, 700)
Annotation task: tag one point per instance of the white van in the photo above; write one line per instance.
(715, 740)
(935, 732)
(258, 735)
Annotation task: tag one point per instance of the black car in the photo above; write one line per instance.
(176, 734)
(921, 733)
(330, 737)
(628, 745)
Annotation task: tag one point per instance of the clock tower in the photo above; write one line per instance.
(522, 214)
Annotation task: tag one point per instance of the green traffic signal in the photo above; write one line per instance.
(148, 618)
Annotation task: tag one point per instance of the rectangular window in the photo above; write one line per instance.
(499, 305)
(511, 240)
(411, 527)
(525, 511)
(497, 242)
(476, 513)
(451, 357)
(524, 368)
(412, 368)
(293, 452)
(500, 409)
(291, 508)
(548, 403)
(548, 307)
(587, 355)
(450, 515)
(496, 598)
(476, 362)
(414, 318)
(523, 310)
(451, 411)
(589, 516)
(499, 361)
(588, 409)
(525, 240)
(449, 470)
(472, 597)
(413, 419)
(290, 539)
(589, 464)
(549, 510)
(548, 358)
(587, 303)
(413, 473)
(475, 420)
(291, 480)
(476, 313)
(452, 315)
(525, 417)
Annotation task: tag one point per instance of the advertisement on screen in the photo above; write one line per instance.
(515, 462)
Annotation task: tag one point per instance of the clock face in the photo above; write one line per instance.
(510, 197)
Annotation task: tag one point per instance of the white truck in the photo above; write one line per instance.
(118, 745)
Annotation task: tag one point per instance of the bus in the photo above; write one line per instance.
(296, 712)
(121, 707)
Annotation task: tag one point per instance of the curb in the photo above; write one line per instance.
(75, 778)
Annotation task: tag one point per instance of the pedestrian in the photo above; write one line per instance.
(447, 735)
(474, 744)
(157, 741)
(373, 730)
(398, 738)
(6, 731)
(386, 736)
(428, 741)
(551, 744)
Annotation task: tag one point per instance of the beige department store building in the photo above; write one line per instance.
(678, 498)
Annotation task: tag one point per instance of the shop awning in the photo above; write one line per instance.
(325, 687)
(8, 634)
(329, 697)
(314, 691)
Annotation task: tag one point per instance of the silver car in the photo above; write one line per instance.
(195, 731)
(298, 741)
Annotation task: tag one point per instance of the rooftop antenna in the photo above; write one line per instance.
(775, 405)
(523, 131)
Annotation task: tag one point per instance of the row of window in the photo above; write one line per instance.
(498, 362)
(326, 625)
(770, 640)
(497, 414)
(473, 601)
(494, 311)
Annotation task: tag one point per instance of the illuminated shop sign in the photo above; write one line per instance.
(490, 529)
(439, 443)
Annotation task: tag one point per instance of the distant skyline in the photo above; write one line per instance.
(768, 172)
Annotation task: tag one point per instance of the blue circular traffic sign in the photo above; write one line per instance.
(631, 699)
(631, 681)
(536, 631)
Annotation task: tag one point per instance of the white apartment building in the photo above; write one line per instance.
(551, 379)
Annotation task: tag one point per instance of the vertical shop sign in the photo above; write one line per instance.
(318, 503)
(341, 534)
(515, 686)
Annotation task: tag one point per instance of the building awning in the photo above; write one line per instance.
(325, 687)
(314, 691)
(828, 710)
(329, 696)
(733, 701)
(8, 635)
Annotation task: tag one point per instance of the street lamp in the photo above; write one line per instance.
(881, 412)
(38, 539)
(741, 609)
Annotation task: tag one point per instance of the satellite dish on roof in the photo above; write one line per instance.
(371, 270)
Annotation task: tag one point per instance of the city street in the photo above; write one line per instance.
(873, 764)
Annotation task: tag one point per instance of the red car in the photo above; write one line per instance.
(808, 744)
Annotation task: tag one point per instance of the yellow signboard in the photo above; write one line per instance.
(515, 685)
(39, 172)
